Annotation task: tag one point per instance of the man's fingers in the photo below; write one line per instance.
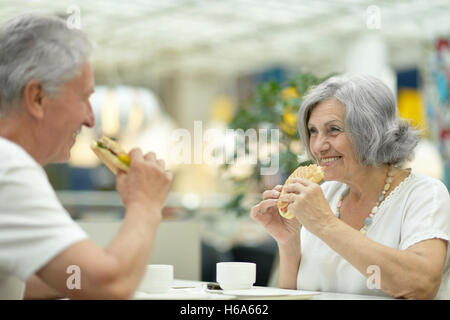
(150, 156)
(161, 163)
(169, 175)
(135, 154)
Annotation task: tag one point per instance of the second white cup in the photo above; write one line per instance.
(158, 278)
(236, 275)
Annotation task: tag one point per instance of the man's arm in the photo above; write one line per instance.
(115, 272)
(111, 273)
(37, 289)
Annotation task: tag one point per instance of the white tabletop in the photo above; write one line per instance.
(196, 290)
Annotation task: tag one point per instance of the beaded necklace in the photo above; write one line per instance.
(368, 221)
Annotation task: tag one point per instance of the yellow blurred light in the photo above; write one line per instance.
(289, 122)
(289, 93)
(412, 108)
(222, 109)
(136, 118)
(110, 114)
(81, 154)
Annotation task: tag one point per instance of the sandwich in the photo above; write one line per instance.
(111, 154)
(312, 172)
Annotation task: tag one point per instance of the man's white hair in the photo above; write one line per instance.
(38, 47)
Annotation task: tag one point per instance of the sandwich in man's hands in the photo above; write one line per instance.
(312, 172)
(111, 154)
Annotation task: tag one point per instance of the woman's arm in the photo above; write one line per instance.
(290, 255)
(414, 273)
(285, 232)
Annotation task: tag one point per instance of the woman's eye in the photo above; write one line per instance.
(335, 129)
(312, 131)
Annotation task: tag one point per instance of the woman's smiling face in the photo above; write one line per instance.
(328, 141)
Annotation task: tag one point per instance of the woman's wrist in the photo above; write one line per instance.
(291, 248)
(290, 256)
(291, 240)
(328, 227)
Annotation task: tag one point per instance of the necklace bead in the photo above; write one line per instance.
(368, 221)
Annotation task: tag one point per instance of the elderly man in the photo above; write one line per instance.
(45, 84)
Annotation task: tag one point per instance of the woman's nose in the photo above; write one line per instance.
(321, 144)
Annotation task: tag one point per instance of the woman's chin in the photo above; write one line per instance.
(329, 175)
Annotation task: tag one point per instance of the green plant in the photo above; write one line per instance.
(273, 105)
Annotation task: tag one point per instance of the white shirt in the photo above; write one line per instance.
(34, 227)
(417, 209)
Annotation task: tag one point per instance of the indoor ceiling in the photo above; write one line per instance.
(158, 37)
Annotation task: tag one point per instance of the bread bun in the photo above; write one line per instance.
(312, 172)
(108, 154)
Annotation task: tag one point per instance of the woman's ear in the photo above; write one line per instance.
(33, 99)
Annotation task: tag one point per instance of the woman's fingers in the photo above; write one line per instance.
(278, 188)
(288, 197)
(263, 206)
(294, 188)
(272, 194)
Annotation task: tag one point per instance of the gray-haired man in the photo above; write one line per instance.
(45, 84)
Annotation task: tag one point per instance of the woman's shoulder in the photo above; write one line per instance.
(423, 186)
(422, 181)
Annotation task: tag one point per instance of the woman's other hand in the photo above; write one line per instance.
(266, 213)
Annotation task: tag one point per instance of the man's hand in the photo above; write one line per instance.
(147, 183)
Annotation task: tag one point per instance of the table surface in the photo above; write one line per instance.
(196, 290)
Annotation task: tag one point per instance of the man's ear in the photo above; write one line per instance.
(33, 98)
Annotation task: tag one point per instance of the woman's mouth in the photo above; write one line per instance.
(329, 161)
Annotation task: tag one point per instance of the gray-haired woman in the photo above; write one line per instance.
(372, 228)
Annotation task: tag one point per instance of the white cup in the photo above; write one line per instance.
(158, 278)
(236, 275)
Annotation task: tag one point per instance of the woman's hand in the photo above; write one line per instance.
(266, 213)
(308, 203)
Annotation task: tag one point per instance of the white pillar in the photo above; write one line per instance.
(368, 54)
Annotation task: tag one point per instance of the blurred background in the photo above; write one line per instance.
(169, 71)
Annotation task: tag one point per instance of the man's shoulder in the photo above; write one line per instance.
(13, 155)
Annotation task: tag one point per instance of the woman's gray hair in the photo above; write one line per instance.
(371, 119)
(38, 47)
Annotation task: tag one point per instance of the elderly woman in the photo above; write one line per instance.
(372, 228)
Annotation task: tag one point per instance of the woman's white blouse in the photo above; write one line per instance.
(416, 210)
